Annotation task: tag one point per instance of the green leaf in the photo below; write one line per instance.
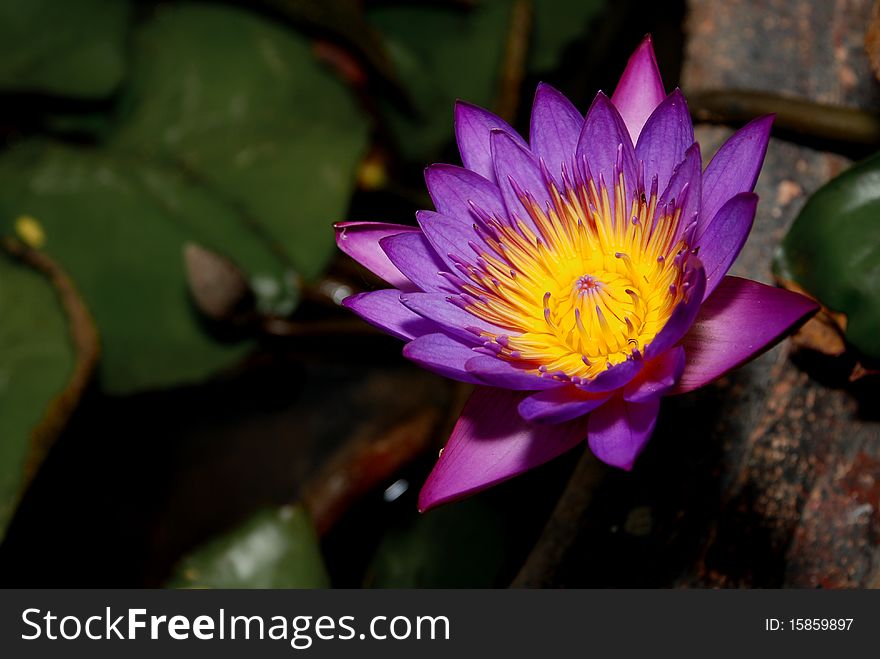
(118, 226)
(343, 19)
(455, 546)
(557, 23)
(440, 54)
(243, 105)
(233, 137)
(36, 362)
(443, 53)
(273, 549)
(833, 251)
(61, 47)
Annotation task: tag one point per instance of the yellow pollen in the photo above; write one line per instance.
(30, 231)
(581, 284)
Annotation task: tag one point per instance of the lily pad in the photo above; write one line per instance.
(273, 549)
(119, 225)
(37, 360)
(243, 106)
(74, 49)
(833, 251)
(443, 53)
(440, 54)
(231, 136)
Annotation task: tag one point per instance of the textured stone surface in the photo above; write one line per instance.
(801, 470)
(770, 477)
(807, 48)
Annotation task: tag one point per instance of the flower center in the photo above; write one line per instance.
(595, 317)
(580, 285)
(587, 285)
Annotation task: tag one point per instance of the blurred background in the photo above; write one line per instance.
(183, 402)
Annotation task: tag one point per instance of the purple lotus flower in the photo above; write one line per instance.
(576, 278)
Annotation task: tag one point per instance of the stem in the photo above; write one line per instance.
(83, 336)
(827, 122)
(559, 533)
(514, 65)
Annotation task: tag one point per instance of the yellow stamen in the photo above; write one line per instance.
(584, 283)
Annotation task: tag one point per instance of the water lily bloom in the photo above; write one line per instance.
(576, 278)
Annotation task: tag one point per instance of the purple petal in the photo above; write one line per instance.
(684, 188)
(560, 404)
(451, 237)
(412, 254)
(614, 377)
(603, 142)
(500, 373)
(384, 310)
(455, 320)
(515, 165)
(725, 236)
(734, 168)
(360, 240)
(441, 354)
(683, 315)
(455, 190)
(491, 443)
(665, 138)
(618, 430)
(741, 319)
(640, 89)
(657, 378)
(472, 127)
(555, 127)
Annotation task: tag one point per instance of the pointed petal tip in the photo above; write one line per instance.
(434, 167)
(762, 125)
(428, 500)
(543, 88)
(805, 305)
(461, 109)
(467, 105)
(735, 167)
(360, 241)
(339, 228)
(602, 136)
(665, 137)
(678, 95)
(472, 127)
(601, 97)
(619, 431)
(739, 321)
(491, 444)
(645, 49)
(640, 88)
